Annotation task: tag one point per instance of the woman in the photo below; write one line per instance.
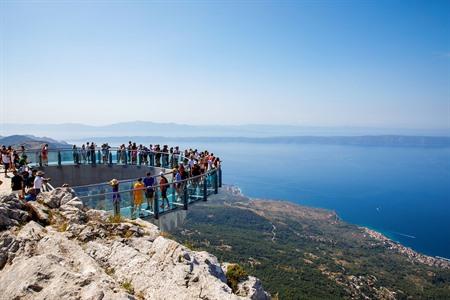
(138, 197)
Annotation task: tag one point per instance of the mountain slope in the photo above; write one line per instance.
(307, 253)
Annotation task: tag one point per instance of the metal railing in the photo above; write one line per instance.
(112, 155)
(151, 201)
(128, 201)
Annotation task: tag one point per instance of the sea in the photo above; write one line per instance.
(402, 192)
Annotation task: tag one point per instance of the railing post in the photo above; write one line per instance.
(216, 183)
(139, 156)
(110, 158)
(156, 204)
(40, 160)
(205, 189)
(220, 176)
(185, 196)
(99, 156)
(59, 158)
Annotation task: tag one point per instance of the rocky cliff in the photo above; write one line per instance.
(54, 248)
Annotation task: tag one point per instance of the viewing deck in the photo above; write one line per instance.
(90, 178)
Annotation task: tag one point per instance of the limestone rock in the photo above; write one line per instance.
(12, 212)
(57, 197)
(83, 255)
(252, 288)
(39, 211)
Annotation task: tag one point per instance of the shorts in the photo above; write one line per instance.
(6, 165)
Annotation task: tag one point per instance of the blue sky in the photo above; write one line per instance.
(324, 63)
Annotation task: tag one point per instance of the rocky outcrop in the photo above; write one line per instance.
(55, 249)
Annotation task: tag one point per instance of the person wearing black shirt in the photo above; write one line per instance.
(16, 183)
(30, 180)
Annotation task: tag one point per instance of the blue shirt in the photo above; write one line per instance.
(149, 182)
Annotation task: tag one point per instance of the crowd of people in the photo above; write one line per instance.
(26, 182)
(187, 165)
(188, 170)
(132, 153)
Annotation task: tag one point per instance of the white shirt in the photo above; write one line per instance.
(38, 182)
(6, 158)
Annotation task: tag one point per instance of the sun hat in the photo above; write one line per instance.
(114, 182)
(40, 173)
(161, 173)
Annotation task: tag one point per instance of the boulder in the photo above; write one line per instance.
(252, 289)
(57, 197)
(39, 211)
(12, 211)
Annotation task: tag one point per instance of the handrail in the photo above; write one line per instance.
(210, 172)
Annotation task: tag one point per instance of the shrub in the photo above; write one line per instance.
(128, 287)
(235, 274)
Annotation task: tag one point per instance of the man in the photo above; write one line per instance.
(149, 182)
(195, 174)
(178, 184)
(17, 184)
(44, 155)
(163, 185)
(29, 183)
(39, 182)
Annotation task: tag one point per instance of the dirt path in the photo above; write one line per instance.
(274, 228)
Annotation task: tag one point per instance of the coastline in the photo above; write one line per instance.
(389, 242)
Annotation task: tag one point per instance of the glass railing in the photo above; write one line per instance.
(104, 156)
(153, 201)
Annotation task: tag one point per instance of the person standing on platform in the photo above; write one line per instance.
(138, 197)
(115, 197)
(149, 182)
(163, 186)
(44, 155)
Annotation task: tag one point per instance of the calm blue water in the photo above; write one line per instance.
(402, 192)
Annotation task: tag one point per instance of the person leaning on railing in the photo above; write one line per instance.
(163, 185)
(178, 185)
(149, 182)
(115, 196)
(138, 197)
(44, 155)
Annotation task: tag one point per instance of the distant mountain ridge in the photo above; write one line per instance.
(368, 140)
(68, 131)
(30, 141)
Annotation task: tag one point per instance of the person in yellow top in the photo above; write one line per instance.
(138, 197)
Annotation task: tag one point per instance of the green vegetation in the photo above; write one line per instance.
(128, 287)
(311, 256)
(235, 274)
(115, 219)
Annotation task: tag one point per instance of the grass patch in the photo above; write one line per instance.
(62, 227)
(110, 271)
(115, 219)
(128, 287)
